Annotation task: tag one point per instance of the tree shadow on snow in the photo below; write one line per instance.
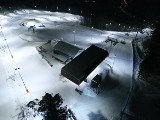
(110, 83)
(96, 116)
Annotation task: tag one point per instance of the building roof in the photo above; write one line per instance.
(81, 66)
(64, 51)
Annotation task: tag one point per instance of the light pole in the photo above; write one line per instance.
(91, 32)
(119, 26)
(57, 8)
(69, 10)
(106, 26)
(74, 36)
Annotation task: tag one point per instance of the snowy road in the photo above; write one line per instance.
(22, 67)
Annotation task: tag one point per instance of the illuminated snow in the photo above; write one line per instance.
(18, 50)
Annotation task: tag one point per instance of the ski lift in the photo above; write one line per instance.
(95, 83)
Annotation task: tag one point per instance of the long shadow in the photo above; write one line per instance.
(109, 83)
(96, 116)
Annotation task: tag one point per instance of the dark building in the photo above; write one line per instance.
(81, 66)
(64, 51)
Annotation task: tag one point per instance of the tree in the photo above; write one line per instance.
(49, 108)
(150, 66)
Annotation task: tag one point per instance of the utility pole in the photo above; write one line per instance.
(74, 36)
(91, 32)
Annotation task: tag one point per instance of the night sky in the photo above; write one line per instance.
(146, 9)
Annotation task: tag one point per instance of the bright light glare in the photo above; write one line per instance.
(39, 117)
(39, 77)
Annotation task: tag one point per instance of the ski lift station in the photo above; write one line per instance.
(81, 66)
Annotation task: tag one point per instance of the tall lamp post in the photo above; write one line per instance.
(74, 35)
(119, 26)
(57, 8)
(69, 10)
(106, 26)
(91, 32)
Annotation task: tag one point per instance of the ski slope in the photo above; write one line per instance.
(26, 76)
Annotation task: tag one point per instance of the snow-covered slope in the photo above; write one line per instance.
(26, 76)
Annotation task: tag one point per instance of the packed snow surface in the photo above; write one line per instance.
(26, 76)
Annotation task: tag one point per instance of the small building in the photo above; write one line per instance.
(81, 66)
(64, 51)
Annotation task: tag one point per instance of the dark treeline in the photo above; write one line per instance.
(100, 6)
(97, 13)
(140, 8)
(150, 66)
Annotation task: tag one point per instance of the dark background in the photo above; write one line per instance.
(97, 12)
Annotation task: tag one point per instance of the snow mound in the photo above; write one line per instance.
(89, 92)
